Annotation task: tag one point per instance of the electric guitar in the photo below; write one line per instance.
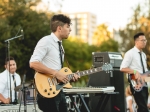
(137, 85)
(49, 86)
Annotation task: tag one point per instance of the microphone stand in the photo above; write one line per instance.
(8, 55)
(13, 38)
(23, 89)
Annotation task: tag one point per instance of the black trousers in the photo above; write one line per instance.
(55, 104)
(141, 99)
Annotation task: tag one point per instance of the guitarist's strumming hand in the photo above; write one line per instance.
(61, 77)
(139, 78)
(137, 75)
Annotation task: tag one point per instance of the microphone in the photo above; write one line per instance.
(22, 33)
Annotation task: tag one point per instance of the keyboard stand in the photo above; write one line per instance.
(75, 104)
(85, 105)
(105, 93)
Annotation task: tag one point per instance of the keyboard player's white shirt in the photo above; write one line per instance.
(5, 84)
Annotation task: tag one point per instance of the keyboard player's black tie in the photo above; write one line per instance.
(15, 101)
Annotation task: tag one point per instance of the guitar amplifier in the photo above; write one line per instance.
(114, 78)
(100, 58)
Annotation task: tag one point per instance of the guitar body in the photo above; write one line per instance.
(137, 85)
(48, 86)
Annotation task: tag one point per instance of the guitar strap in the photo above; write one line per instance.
(128, 78)
(65, 57)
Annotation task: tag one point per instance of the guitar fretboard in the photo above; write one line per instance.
(86, 72)
(90, 71)
(105, 67)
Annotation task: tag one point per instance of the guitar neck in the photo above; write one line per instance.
(147, 73)
(86, 72)
(90, 71)
(105, 67)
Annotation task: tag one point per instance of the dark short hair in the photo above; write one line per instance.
(137, 35)
(8, 59)
(59, 20)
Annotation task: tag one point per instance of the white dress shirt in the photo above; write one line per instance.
(47, 52)
(132, 60)
(5, 84)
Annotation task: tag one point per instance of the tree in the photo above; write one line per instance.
(103, 38)
(16, 14)
(101, 34)
(109, 45)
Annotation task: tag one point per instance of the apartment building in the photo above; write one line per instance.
(83, 25)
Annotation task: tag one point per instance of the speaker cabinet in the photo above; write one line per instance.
(117, 102)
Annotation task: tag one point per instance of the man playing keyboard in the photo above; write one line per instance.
(5, 76)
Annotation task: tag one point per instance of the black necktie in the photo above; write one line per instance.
(61, 53)
(142, 62)
(15, 87)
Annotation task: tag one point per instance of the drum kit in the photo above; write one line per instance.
(26, 85)
(27, 94)
(26, 89)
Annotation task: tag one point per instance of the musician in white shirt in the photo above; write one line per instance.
(5, 81)
(132, 64)
(46, 59)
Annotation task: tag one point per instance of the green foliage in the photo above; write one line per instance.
(79, 57)
(101, 34)
(35, 25)
(109, 45)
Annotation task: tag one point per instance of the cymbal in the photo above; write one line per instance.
(27, 84)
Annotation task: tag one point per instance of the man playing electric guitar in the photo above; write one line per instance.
(48, 59)
(134, 63)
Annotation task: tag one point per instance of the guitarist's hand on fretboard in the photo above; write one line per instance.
(61, 77)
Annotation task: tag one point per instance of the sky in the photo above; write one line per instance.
(115, 13)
